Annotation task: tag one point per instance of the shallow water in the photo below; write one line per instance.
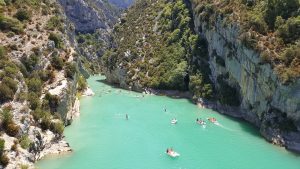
(103, 139)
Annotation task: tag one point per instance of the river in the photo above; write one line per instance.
(103, 139)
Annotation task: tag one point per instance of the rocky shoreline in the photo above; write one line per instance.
(45, 143)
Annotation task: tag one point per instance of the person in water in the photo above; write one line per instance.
(126, 116)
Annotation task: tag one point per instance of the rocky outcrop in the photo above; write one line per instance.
(122, 3)
(264, 100)
(89, 15)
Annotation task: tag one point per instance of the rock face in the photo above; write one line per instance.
(122, 3)
(265, 101)
(89, 15)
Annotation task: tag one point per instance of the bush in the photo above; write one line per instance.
(22, 14)
(70, 70)
(290, 31)
(4, 160)
(25, 142)
(34, 85)
(57, 127)
(30, 62)
(52, 101)
(199, 88)
(57, 62)
(34, 100)
(6, 94)
(11, 83)
(54, 22)
(57, 40)
(82, 84)
(12, 129)
(2, 145)
(10, 24)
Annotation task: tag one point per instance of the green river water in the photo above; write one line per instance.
(102, 139)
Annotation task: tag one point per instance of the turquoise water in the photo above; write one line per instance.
(103, 139)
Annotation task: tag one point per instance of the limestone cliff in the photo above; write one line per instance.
(265, 101)
(88, 15)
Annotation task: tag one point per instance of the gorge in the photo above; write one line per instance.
(239, 58)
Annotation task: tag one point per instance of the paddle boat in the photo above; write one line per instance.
(170, 152)
(213, 120)
(174, 121)
(201, 122)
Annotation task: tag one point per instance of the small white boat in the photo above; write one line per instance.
(174, 121)
(202, 123)
(173, 154)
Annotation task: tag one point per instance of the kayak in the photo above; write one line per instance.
(173, 154)
(174, 121)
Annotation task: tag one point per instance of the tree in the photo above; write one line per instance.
(283, 8)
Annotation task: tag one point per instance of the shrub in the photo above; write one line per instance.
(4, 160)
(2, 145)
(290, 31)
(70, 70)
(14, 147)
(57, 62)
(11, 83)
(6, 94)
(54, 22)
(30, 62)
(22, 14)
(24, 166)
(57, 40)
(25, 142)
(10, 24)
(52, 101)
(199, 88)
(11, 70)
(57, 127)
(2, 52)
(34, 100)
(82, 84)
(12, 129)
(34, 85)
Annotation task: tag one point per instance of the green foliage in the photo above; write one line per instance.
(34, 100)
(283, 8)
(57, 40)
(25, 141)
(23, 14)
(54, 22)
(6, 94)
(12, 129)
(4, 160)
(30, 62)
(57, 127)
(199, 88)
(70, 70)
(52, 101)
(161, 51)
(290, 31)
(10, 24)
(57, 62)
(82, 84)
(2, 145)
(34, 85)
